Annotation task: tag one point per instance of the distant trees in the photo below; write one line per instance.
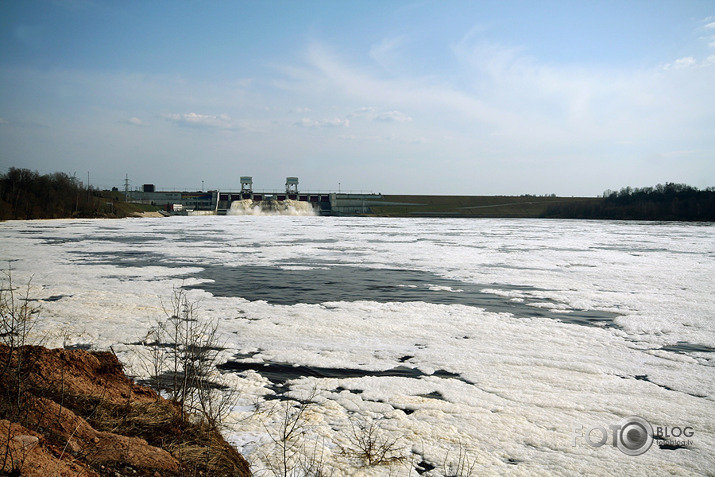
(667, 201)
(25, 194)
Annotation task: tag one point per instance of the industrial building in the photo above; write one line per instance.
(219, 202)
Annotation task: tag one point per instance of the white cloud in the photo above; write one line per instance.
(322, 123)
(365, 110)
(328, 75)
(307, 123)
(393, 116)
(499, 104)
(681, 63)
(373, 114)
(709, 36)
(492, 110)
(689, 62)
(222, 121)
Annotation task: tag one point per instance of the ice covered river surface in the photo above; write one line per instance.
(510, 342)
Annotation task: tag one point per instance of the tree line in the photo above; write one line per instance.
(25, 194)
(667, 201)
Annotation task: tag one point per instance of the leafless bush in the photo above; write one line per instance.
(462, 466)
(295, 452)
(16, 313)
(288, 437)
(16, 321)
(370, 442)
(313, 462)
(182, 356)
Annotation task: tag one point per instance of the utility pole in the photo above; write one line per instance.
(74, 184)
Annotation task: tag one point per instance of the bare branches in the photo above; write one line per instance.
(181, 360)
(461, 466)
(288, 435)
(16, 321)
(372, 443)
(16, 312)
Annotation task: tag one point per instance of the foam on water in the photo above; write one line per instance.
(505, 384)
(271, 207)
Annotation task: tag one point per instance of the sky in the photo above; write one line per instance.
(397, 97)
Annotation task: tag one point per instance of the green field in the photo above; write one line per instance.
(468, 206)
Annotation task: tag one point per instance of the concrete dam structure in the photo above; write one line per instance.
(248, 201)
(291, 202)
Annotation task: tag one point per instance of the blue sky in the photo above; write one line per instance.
(433, 97)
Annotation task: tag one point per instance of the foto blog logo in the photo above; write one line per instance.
(632, 435)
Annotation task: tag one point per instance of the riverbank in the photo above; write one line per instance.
(524, 206)
(669, 202)
(74, 412)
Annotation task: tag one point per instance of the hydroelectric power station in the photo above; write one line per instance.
(248, 201)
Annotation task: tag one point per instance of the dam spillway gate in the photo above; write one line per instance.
(318, 203)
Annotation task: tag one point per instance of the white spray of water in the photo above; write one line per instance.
(271, 207)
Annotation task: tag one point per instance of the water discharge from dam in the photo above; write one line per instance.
(271, 207)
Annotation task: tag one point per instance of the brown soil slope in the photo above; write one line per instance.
(73, 412)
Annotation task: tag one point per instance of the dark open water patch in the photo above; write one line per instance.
(281, 373)
(340, 389)
(644, 377)
(125, 259)
(82, 346)
(281, 286)
(56, 297)
(424, 466)
(329, 282)
(49, 298)
(704, 354)
(684, 347)
(168, 381)
(433, 395)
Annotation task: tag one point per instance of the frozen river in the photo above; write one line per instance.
(513, 342)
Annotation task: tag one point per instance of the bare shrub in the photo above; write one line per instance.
(460, 466)
(295, 452)
(313, 462)
(16, 312)
(16, 321)
(371, 443)
(181, 361)
(288, 436)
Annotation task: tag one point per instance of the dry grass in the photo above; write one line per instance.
(198, 447)
(81, 406)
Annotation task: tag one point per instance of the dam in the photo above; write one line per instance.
(247, 201)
